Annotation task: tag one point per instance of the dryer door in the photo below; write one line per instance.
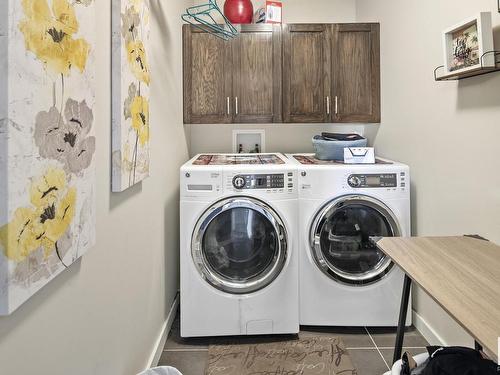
(340, 239)
(239, 245)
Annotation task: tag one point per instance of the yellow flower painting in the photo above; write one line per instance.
(131, 81)
(49, 33)
(137, 59)
(43, 223)
(139, 110)
(47, 143)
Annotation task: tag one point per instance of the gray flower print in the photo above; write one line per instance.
(84, 2)
(132, 93)
(130, 24)
(65, 139)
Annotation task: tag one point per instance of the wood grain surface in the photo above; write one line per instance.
(356, 72)
(288, 73)
(257, 62)
(306, 72)
(461, 274)
(207, 77)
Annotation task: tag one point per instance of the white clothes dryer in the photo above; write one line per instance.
(344, 279)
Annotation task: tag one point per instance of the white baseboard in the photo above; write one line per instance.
(162, 338)
(426, 330)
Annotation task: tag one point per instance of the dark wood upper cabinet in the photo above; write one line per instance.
(257, 74)
(295, 73)
(356, 72)
(306, 73)
(236, 81)
(207, 78)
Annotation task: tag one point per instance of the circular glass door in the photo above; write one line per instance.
(239, 245)
(340, 239)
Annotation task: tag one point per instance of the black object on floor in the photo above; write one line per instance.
(458, 360)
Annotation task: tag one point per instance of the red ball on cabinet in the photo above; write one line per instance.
(239, 11)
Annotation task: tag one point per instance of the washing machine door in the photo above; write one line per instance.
(239, 245)
(340, 239)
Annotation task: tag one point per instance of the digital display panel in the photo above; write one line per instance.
(359, 181)
(261, 181)
(373, 180)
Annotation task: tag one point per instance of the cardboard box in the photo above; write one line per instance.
(274, 12)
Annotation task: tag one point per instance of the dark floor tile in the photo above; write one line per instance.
(368, 362)
(247, 340)
(386, 337)
(388, 353)
(187, 362)
(353, 337)
(175, 341)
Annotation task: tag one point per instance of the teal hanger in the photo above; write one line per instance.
(202, 17)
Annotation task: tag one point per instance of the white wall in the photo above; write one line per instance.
(292, 137)
(311, 11)
(288, 138)
(104, 314)
(447, 132)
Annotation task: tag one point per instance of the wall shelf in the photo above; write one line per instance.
(479, 71)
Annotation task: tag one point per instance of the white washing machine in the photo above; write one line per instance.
(239, 265)
(344, 279)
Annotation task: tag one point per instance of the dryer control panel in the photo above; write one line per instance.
(387, 180)
(259, 181)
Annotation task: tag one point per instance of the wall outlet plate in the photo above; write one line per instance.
(249, 140)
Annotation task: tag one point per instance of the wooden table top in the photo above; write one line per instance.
(461, 274)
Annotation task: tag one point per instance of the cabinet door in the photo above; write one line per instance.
(207, 78)
(306, 73)
(356, 72)
(257, 77)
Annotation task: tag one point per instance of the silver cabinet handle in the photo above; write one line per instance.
(236, 105)
(228, 105)
(327, 105)
(336, 105)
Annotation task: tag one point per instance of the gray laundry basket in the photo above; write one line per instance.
(327, 149)
(163, 370)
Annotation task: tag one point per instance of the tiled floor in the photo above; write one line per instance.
(370, 349)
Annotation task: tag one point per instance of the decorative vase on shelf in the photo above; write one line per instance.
(238, 11)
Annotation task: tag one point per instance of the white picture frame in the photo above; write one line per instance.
(475, 36)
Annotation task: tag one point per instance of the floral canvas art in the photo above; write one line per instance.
(47, 142)
(131, 79)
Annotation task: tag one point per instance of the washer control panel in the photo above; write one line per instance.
(358, 181)
(259, 181)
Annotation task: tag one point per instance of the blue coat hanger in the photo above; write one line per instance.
(202, 17)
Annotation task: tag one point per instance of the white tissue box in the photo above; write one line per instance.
(359, 155)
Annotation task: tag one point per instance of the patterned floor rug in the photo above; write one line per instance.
(305, 356)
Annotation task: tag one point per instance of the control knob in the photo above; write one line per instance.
(239, 182)
(354, 181)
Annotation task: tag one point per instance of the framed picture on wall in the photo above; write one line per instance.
(466, 45)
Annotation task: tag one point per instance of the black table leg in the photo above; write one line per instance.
(478, 346)
(405, 298)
